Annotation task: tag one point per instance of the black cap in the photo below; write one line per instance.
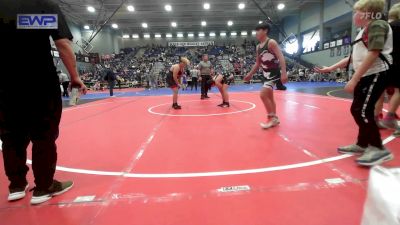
(264, 26)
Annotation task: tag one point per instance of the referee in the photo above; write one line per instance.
(33, 112)
(205, 76)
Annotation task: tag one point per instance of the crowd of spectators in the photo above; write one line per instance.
(149, 68)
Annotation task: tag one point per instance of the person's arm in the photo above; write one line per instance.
(362, 69)
(62, 37)
(175, 72)
(273, 45)
(67, 55)
(254, 69)
(341, 64)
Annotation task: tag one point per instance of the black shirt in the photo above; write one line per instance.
(396, 45)
(28, 49)
(110, 76)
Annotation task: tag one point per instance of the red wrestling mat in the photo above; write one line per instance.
(136, 161)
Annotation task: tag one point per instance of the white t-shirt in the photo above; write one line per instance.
(360, 51)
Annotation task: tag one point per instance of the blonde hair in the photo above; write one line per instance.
(185, 61)
(373, 6)
(394, 12)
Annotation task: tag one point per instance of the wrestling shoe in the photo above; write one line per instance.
(273, 122)
(176, 106)
(388, 123)
(17, 193)
(351, 149)
(57, 188)
(397, 133)
(374, 156)
(224, 105)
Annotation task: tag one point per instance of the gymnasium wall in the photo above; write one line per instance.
(238, 40)
(106, 41)
(323, 58)
(76, 33)
(335, 8)
(311, 19)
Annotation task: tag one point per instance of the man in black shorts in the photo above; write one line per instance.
(33, 112)
(271, 60)
(222, 81)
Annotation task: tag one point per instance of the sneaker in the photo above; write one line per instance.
(351, 149)
(17, 193)
(273, 122)
(374, 156)
(202, 97)
(206, 96)
(57, 188)
(388, 123)
(224, 105)
(176, 106)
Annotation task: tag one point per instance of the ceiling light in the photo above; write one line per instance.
(125, 36)
(206, 6)
(203, 23)
(212, 34)
(233, 33)
(86, 27)
(114, 25)
(179, 35)
(169, 35)
(136, 36)
(260, 22)
(144, 25)
(157, 36)
(281, 6)
(147, 36)
(130, 8)
(201, 35)
(91, 9)
(241, 5)
(244, 33)
(222, 34)
(191, 35)
(174, 24)
(253, 32)
(230, 23)
(168, 8)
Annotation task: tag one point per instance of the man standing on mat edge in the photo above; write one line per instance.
(205, 69)
(173, 79)
(222, 81)
(33, 113)
(269, 56)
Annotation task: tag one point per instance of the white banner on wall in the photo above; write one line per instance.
(191, 44)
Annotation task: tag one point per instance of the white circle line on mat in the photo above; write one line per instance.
(211, 174)
(151, 110)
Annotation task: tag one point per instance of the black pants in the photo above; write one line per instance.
(366, 94)
(65, 87)
(193, 83)
(23, 121)
(111, 85)
(205, 84)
